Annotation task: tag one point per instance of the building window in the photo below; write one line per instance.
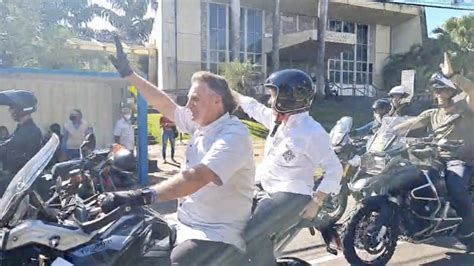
(253, 33)
(341, 26)
(217, 45)
(217, 49)
(351, 67)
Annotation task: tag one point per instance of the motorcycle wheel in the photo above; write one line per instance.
(360, 237)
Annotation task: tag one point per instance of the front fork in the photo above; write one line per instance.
(389, 215)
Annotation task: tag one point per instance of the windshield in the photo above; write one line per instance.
(340, 130)
(23, 180)
(386, 138)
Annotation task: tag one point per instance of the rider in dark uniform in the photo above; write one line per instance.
(25, 141)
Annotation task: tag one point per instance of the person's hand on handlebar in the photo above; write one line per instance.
(112, 200)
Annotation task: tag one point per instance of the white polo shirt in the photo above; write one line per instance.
(217, 212)
(293, 154)
(124, 130)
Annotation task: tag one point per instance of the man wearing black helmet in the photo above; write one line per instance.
(380, 108)
(295, 147)
(25, 141)
(453, 120)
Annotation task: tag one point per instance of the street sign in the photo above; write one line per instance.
(408, 83)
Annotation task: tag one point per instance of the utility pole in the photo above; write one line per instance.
(321, 63)
(276, 36)
(235, 29)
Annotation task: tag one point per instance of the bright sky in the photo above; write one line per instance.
(435, 17)
(99, 23)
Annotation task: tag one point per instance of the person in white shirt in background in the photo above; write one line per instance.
(295, 147)
(75, 131)
(123, 131)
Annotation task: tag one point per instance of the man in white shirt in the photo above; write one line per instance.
(123, 131)
(216, 180)
(296, 146)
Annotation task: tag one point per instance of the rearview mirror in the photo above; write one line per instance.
(88, 146)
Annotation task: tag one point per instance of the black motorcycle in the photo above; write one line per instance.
(70, 230)
(408, 199)
(106, 170)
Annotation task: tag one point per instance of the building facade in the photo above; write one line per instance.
(193, 35)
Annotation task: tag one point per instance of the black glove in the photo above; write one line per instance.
(120, 62)
(138, 197)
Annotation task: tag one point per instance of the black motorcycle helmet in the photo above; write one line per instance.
(20, 101)
(382, 106)
(439, 82)
(294, 90)
(124, 160)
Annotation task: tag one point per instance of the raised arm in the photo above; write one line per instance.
(256, 110)
(154, 96)
(467, 86)
(463, 83)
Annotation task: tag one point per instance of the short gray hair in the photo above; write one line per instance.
(219, 85)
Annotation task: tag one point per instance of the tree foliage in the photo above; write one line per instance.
(35, 33)
(241, 77)
(456, 37)
(128, 16)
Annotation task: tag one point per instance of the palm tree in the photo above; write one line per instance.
(73, 14)
(128, 17)
(459, 34)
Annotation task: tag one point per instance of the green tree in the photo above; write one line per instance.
(128, 16)
(241, 77)
(456, 36)
(30, 41)
(73, 14)
(460, 33)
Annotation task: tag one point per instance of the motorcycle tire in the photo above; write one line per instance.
(349, 234)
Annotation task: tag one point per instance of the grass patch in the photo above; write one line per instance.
(156, 131)
(257, 130)
(329, 113)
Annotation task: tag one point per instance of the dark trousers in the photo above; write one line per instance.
(272, 213)
(457, 176)
(167, 135)
(200, 252)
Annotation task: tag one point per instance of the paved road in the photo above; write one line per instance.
(445, 251)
